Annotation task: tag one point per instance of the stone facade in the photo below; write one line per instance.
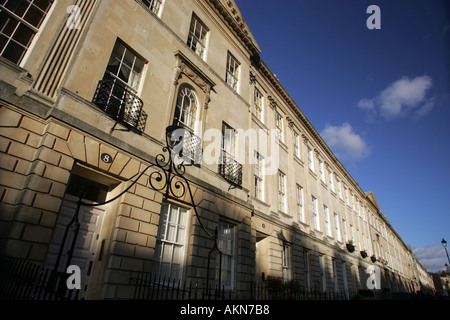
(52, 132)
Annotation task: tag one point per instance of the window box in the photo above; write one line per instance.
(350, 246)
(363, 254)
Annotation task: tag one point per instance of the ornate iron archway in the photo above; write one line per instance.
(169, 179)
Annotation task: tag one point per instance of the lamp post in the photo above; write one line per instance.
(444, 244)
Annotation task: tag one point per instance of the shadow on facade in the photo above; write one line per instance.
(314, 270)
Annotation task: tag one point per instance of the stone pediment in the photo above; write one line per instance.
(190, 70)
(230, 13)
(371, 197)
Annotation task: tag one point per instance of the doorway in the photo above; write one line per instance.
(94, 189)
(261, 256)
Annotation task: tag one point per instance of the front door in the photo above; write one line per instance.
(87, 240)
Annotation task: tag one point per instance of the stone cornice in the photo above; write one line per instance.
(236, 24)
(259, 64)
(238, 27)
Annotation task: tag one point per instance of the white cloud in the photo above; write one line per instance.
(425, 109)
(433, 258)
(366, 104)
(345, 143)
(401, 98)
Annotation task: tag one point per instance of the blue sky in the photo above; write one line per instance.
(380, 98)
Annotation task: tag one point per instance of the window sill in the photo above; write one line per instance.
(284, 214)
(262, 202)
(316, 233)
(298, 160)
(157, 15)
(312, 173)
(303, 226)
(282, 144)
(259, 123)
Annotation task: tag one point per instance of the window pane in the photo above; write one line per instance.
(44, 5)
(173, 217)
(4, 18)
(181, 234)
(177, 255)
(23, 35)
(174, 272)
(18, 7)
(163, 223)
(34, 16)
(14, 52)
(183, 217)
(171, 233)
(128, 59)
(8, 25)
(3, 41)
(165, 269)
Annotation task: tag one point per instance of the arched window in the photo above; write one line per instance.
(186, 108)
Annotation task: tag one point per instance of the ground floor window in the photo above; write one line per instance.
(286, 257)
(171, 242)
(226, 246)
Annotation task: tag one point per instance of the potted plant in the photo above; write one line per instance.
(363, 254)
(373, 258)
(350, 246)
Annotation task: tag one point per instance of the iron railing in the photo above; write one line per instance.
(23, 280)
(121, 103)
(277, 289)
(185, 144)
(230, 169)
(155, 287)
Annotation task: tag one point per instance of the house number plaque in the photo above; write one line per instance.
(106, 158)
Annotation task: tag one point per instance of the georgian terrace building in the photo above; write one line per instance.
(87, 91)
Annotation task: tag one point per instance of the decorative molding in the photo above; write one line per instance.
(317, 153)
(290, 122)
(236, 24)
(51, 76)
(252, 76)
(272, 102)
(186, 67)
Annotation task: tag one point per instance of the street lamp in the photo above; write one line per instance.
(444, 244)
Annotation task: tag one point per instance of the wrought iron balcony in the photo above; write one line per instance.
(185, 143)
(230, 169)
(121, 104)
